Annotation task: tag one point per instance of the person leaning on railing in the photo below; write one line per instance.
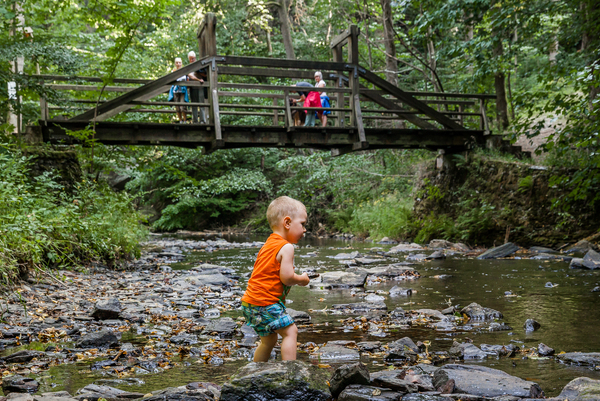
(179, 94)
(324, 97)
(198, 76)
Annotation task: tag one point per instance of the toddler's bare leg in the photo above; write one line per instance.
(263, 351)
(288, 344)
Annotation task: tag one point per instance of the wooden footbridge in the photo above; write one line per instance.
(367, 111)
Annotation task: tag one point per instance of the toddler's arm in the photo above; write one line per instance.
(286, 273)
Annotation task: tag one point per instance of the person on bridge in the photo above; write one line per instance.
(310, 99)
(179, 94)
(263, 303)
(195, 93)
(324, 98)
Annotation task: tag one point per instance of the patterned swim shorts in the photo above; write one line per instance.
(266, 319)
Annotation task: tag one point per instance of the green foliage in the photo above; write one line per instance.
(525, 183)
(388, 216)
(42, 225)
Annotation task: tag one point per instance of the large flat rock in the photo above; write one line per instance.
(277, 381)
(580, 389)
(339, 279)
(581, 358)
(501, 251)
(484, 382)
(392, 271)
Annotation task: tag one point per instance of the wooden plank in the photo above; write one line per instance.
(44, 109)
(275, 112)
(438, 94)
(218, 142)
(380, 100)
(64, 78)
(289, 122)
(409, 100)
(279, 88)
(282, 63)
(340, 39)
(90, 88)
(270, 72)
(362, 140)
(145, 92)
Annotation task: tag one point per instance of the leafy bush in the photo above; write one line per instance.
(388, 216)
(42, 225)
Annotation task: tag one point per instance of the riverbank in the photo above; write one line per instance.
(173, 319)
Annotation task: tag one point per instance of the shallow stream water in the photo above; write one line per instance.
(568, 312)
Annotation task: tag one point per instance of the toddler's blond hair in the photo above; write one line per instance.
(281, 207)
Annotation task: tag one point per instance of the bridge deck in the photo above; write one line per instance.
(238, 136)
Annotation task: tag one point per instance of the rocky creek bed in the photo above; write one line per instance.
(380, 322)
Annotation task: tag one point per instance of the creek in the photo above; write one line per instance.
(567, 311)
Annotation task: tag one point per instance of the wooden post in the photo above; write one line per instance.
(44, 109)
(218, 141)
(275, 112)
(354, 96)
(362, 139)
(337, 57)
(289, 123)
(460, 117)
(483, 125)
(353, 45)
(207, 36)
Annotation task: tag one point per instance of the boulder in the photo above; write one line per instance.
(425, 397)
(202, 279)
(531, 325)
(225, 326)
(580, 358)
(440, 244)
(107, 309)
(501, 251)
(591, 260)
(402, 350)
(191, 392)
(396, 271)
(369, 346)
(393, 380)
(437, 255)
(436, 314)
(466, 351)
(357, 392)
(582, 246)
(478, 312)
(99, 339)
(23, 356)
(345, 256)
(580, 389)
(339, 279)
(19, 384)
(94, 391)
(485, 382)
(541, 249)
(361, 307)
(355, 373)
(277, 381)
(397, 291)
(184, 339)
(336, 353)
(300, 317)
(499, 350)
(544, 350)
(405, 248)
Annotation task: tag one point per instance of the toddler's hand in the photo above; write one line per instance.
(304, 279)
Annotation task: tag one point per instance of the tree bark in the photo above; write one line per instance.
(286, 32)
(391, 65)
(500, 87)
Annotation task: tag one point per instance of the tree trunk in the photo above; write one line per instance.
(590, 11)
(432, 59)
(391, 65)
(500, 87)
(286, 32)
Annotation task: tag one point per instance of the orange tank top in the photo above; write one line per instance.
(265, 286)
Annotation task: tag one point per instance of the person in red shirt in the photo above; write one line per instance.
(263, 303)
